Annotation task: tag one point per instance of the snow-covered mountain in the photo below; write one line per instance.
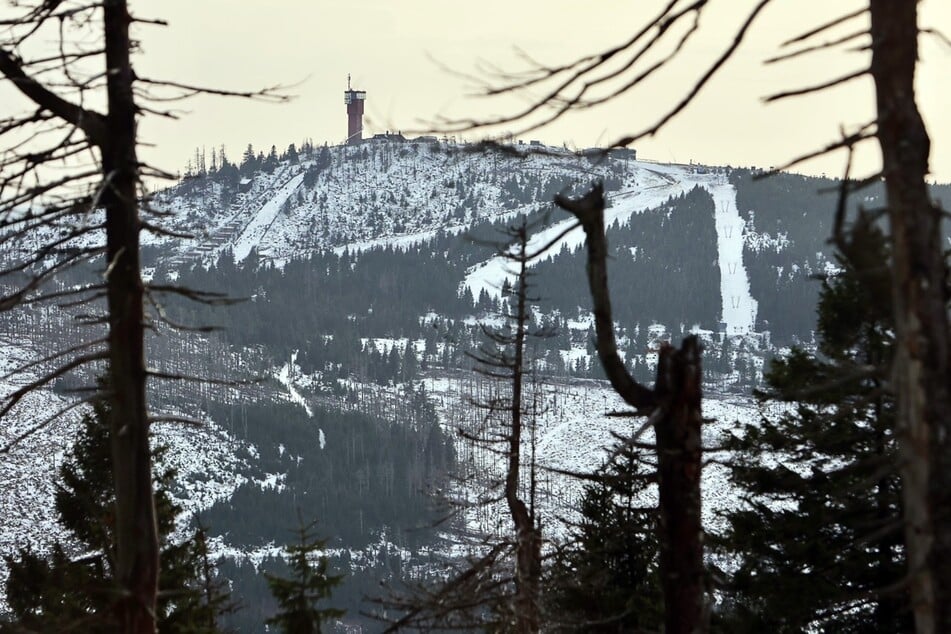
(365, 295)
(402, 193)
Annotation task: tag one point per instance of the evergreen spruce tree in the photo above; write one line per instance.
(299, 595)
(248, 161)
(324, 159)
(820, 544)
(199, 610)
(72, 588)
(606, 579)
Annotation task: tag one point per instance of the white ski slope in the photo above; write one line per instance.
(739, 307)
(255, 231)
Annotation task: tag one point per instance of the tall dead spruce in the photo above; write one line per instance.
(500, 588)
(673, 410)
(68, 174)
(507, 362)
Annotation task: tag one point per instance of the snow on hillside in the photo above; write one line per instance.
(389, 195)
(377, 193)
(39, 433)
(651, 185)
(572, 433)
(257, 229)
(400, 194)
(27, 466)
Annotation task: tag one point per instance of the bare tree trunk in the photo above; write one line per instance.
(480, 596)
(677, 430)
(527, 547)
(921, 372)
(674, 406)
(137, 547)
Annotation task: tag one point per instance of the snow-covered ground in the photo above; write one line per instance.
(655, 184)
(360, 204)
(646, 189)
(572, 433)
(207, 459)
(285, 376)
(399, 195)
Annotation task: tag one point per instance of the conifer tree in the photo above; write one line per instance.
(324, 159)
(820, 545)
(299, 595)
(74, 587)
(606, 578)
(198, 611)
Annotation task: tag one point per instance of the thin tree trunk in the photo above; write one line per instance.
(921, 371)
(137, 548)
(528, 548)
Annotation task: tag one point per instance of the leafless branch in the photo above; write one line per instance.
(864, 133)
(817, 87)
(92, 123)
(13, 398)
(822, 28)
(46, 422)
(52, 357)
(817, 47)
(173, 376)
(273, 94)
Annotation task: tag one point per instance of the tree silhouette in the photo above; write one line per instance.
(299, 596)
(606, 579)
(672, 408)
(500, 587)
(74, 588)
(71, 175)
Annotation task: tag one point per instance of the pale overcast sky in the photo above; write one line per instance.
(395, 48)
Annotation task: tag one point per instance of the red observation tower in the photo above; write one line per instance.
(354, 100)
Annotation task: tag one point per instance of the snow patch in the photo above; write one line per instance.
(286, 376)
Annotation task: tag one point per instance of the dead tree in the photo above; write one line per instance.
(500, 588)
(71, 173)
(673, 410)
(922, 367)
(506, 360)
(112, 134)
